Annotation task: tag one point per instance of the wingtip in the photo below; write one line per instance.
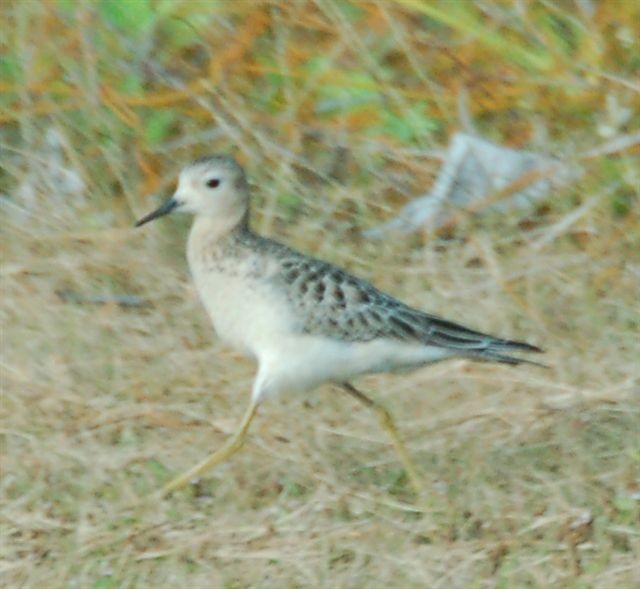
(521, 346)
(536, 349)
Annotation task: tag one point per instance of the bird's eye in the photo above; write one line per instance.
(213, 183)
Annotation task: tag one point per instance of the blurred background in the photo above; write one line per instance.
(343, 113)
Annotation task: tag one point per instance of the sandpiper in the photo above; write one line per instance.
(305, 321)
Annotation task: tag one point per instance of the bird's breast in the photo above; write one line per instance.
(246, 310)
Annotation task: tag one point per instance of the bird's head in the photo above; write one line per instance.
(213, 186)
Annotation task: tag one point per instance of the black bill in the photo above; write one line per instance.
(162, 210)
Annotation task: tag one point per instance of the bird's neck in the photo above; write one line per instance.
(212, 233)
(215, 228)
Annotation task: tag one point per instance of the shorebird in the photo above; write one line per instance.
(305, 321)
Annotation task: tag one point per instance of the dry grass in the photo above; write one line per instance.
(533, 475)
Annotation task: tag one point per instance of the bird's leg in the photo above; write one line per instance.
(387, 422)
(231, 446)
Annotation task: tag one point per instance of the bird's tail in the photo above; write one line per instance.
(460, 340)
(473, 344)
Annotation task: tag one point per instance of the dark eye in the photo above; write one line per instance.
(213, 183)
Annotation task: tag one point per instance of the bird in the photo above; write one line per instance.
(306, 322)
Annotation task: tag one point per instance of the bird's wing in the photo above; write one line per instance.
(333, 303)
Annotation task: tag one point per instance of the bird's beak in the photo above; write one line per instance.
(162, 210)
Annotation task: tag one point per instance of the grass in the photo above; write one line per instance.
(533, 475)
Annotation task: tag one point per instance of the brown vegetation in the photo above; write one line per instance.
(336, 108)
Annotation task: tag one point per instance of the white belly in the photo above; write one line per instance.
(302, 362)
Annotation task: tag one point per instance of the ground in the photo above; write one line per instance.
(532, 475)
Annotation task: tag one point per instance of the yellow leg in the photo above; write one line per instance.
(386, 421)
(232, 445)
